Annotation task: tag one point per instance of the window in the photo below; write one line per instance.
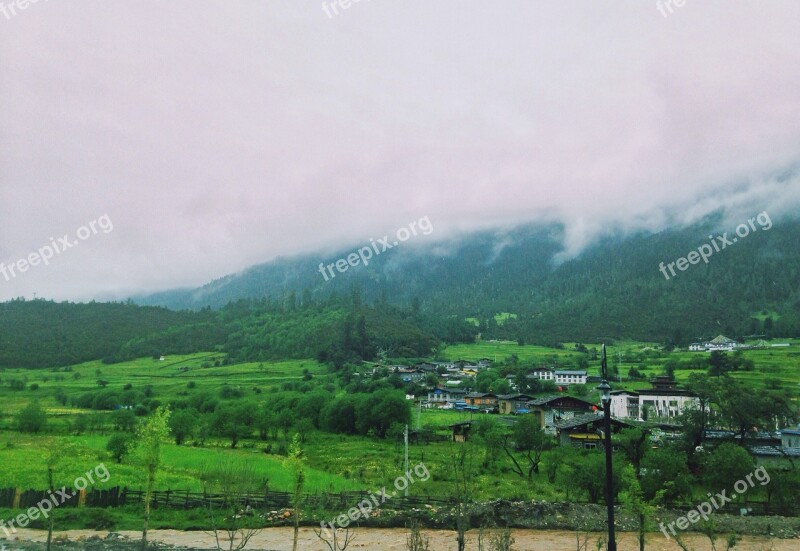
(589, 445)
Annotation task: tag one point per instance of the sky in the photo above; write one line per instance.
(176, 142)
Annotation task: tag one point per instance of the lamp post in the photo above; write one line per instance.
(605, 391)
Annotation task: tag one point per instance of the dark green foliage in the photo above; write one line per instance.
(234, 421)
(119, 445)
(124, 420)
(43, 333)
(32, 418)
(666, 469)
(584, 473)
(183, 423)
(783, 489)
(725, 465)
(366, 413)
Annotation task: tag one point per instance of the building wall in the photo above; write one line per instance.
(790, 440)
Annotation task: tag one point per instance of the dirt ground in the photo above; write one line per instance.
(280, 539)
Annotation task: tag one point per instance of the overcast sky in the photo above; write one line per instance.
(218, 134)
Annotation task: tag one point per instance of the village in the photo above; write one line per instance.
(567, 407)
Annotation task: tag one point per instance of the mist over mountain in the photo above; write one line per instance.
(412, 299)
(613, 289)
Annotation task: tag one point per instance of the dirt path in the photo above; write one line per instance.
(280, 539)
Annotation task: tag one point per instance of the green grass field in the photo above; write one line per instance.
(335, 462)
(167, 378)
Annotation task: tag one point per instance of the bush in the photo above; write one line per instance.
(32, 419)
(118, 445)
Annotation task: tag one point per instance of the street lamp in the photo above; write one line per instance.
(605, 391)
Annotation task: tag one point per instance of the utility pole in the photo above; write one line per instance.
(605, 390)
(406, 462)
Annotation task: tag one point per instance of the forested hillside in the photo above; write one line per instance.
(43, 334)
(613, 289)
(409, 302)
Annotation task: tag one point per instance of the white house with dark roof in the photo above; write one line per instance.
(566, 377)
(720, 342)
(444, 396)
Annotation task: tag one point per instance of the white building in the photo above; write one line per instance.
(440, 396)
(543, 374)
(663, 401)
(570, 377)
(720, 342)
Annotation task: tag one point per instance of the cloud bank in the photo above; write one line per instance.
(220, 134)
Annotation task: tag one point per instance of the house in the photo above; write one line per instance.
(445, 396)
(790, 438)
(720, 342)
(461, 365)
(426, 367)
(780, 450)
(543, 374)
(513, 403)
(483, 363)
(663, 401)
(551, 409)
(409, 374)
(586, 431)
(564, 377)
(481, 400)
(460, 431)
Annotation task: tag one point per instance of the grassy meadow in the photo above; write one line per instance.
(335, 462)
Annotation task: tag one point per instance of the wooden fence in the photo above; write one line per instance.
(180, 499)
(15, 498)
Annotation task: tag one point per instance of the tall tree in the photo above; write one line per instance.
(237, 481)
(149, 438)
(298, 469)
(528, 437)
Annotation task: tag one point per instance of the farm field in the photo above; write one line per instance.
(336, 462)
(169, 379)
